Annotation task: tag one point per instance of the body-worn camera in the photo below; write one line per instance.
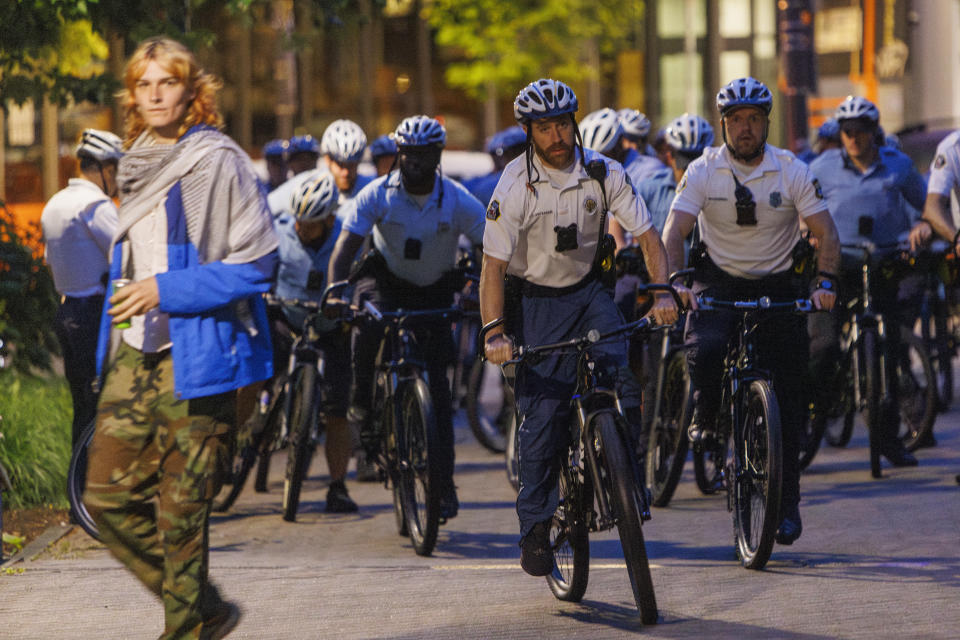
(411, 249)
(566, 237)
(746, 206)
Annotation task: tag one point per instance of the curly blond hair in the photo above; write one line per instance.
(181, 63)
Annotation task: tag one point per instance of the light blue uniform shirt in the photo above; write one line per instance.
(657, 192)
(482, 187)
(418, 243)
(885, 193)
(303, 271)
(640, 167)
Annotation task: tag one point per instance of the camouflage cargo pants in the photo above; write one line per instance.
(155, 465)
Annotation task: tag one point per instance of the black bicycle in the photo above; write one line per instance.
(860, 382)
(77, 479)
(745, 456)
(599, 482)
(403, 441)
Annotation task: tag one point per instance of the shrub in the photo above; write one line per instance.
(35, 415)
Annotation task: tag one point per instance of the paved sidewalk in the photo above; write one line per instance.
(878, 559)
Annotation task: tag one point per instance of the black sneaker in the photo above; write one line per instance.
(536, 556)
(790, 526)
(222, 622)
(899, 456)
(449, 505)
(338, 500)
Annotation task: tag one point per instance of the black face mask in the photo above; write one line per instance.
(418, 166)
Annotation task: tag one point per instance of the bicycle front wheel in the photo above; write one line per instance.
(512, 457)
(569, 540)
(757, 482)
(917, 391)
(624, 493)
(873, 410)
(76, 481)
(667, 448)
(303, 413)
(419, 478)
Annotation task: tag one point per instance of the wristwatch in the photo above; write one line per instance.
(826, 285)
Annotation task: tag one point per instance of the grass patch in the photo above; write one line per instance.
(35, 415)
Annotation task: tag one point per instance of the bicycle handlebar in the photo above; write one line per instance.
(764, 303)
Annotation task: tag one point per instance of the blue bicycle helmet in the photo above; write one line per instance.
(303, 144)
(544, 98)
(420, 131)
(383, 146)
(744, 92)
(636, 126)
(275, 149)
(102, 146)
(689, 134)
(316, 198)
(503, 140)
(857, 108)
(829, 130)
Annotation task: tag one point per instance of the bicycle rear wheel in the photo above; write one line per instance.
(667, 448)
(569, 540)
(419, 478)
(303, 414)
(757, 482)
(76, 481)
(709, 459)
(625, 500)
(264, 429)
(489, 406)
(917, 391)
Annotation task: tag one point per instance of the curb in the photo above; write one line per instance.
(39, 544)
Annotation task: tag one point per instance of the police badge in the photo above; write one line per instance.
(775, 199)
(493, 211)
(590, 204)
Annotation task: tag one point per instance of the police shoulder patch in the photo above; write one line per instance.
(939, 161)
(683, 184)
(493, 211)
(817, 188)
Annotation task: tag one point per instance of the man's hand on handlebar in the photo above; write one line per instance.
(823, 299)
(664, 310)
(334, 308)
(498, 348)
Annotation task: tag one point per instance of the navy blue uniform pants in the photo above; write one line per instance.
(77, 323)
(544, 390)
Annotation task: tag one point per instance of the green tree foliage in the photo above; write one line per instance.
(28, 299)
(509, 44)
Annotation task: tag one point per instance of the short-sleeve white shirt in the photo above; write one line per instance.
(784, 190)
(521, 218)
(945, 167)
(419, 243)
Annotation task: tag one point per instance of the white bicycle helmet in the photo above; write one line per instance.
(102, 146)
(316, 198)
(857, 108)
(744, 92)
(689, 134)
(635, 124)
(601, 130)
(344, 141)
(420, 131)
(544, 98)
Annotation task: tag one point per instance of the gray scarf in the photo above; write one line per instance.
(225, 210)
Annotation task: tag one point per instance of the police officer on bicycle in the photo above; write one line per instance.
(543, 229)
(874, 194)
(748, 198)
(416, 216)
